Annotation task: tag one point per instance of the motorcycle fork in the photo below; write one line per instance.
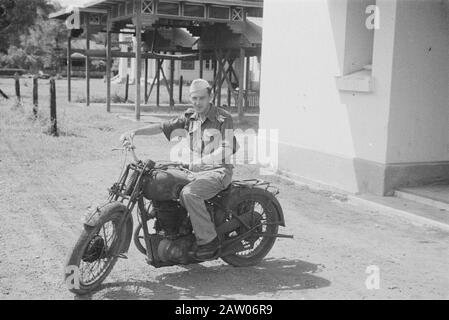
(146, 237)
(135, 196)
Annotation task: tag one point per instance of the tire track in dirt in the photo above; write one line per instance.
(38, 237)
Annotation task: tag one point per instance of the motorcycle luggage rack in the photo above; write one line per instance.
(252, 183)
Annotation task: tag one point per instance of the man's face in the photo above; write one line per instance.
(200, 100)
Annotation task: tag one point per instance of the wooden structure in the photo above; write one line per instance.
(223, 30)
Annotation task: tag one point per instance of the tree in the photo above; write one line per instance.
(43, 43)
(19, 16)
(31, 40)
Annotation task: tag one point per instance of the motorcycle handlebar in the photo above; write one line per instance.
(130, 149)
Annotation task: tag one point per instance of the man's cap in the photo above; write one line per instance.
(198, 85)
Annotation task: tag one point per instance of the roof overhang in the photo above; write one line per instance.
(65, 13)
(104, 4)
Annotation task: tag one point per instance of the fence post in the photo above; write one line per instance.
(54, 123)
(35, 95)
(181, 84)
(4, 95)
(127, 88)
(17, 82)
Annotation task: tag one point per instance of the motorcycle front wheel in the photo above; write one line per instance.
(95, 253)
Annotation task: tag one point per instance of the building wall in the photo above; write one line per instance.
(395, 133)
(419, 116)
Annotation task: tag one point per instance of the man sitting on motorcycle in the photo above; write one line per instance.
(212, 143)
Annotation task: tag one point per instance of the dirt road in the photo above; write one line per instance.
(46, 185)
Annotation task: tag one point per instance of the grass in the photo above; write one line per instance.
(84, 132)
(97, 92)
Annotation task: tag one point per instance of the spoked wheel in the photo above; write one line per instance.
(95, 253)
(254, 247)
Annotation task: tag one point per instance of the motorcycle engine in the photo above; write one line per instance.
(174, 238)
(171, 218)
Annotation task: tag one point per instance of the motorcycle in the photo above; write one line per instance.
(247, 216)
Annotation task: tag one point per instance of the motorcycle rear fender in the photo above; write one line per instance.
(280, 212)
(95, 218)
(235, 192)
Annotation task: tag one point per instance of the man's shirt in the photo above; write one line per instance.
(204, 137)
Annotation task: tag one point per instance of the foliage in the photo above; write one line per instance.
(31, 41)
(20, 17)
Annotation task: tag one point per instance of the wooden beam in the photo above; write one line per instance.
(146, 80)
(241, 83)
(228, 73)
(248, 78)
(154, 80)
(219, 75)
(201, 64)
(165, 81)
(87, 60)
(69, 68)
(227, 78)
(138, 50)
(181, 84)
(214, 61)
(172, 83)
(119, 54)
(108, 62)
(158, 87)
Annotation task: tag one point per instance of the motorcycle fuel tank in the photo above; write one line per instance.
(165, 185)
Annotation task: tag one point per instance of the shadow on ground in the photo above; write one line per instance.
(223, 282)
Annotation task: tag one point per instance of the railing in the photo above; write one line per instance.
(252, 99)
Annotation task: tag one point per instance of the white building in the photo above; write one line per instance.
(362, 104)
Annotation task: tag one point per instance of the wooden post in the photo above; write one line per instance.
(229, 87)
(152, 84)
(215, 78)
(181, 84)
(87, 60)
(247, 82)
(108, 61)
(127, 88)
(241, 83)
(138, 51)
(146, 80)
(17, 85)
(4, 95)
(69, 68)
(201, 64)
(54, 123)
(220, 82)
(172, 83)
(158, 87)
(35, 96)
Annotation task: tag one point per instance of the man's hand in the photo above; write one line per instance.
(127, 139)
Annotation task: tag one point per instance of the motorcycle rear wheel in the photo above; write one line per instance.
(260, 246)
(104, 257)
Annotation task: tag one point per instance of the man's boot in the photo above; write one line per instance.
(208, 251)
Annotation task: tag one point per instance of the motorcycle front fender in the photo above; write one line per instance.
(99, 215)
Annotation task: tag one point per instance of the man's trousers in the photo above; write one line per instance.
(207, 184)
